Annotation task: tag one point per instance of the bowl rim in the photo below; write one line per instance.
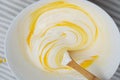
(20, 14)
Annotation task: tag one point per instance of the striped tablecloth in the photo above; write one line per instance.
(9, 10)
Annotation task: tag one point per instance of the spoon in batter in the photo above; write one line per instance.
(67, 60)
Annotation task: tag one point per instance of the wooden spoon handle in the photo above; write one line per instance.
(81, 70)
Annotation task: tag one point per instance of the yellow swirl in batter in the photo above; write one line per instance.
(70, 37)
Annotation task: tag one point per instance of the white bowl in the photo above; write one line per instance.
(16, 54)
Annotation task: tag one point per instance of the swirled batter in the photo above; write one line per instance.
(58, 27)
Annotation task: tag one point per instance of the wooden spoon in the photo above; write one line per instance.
(67, 60)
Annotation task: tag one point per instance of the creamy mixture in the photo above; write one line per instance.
(62, 26)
